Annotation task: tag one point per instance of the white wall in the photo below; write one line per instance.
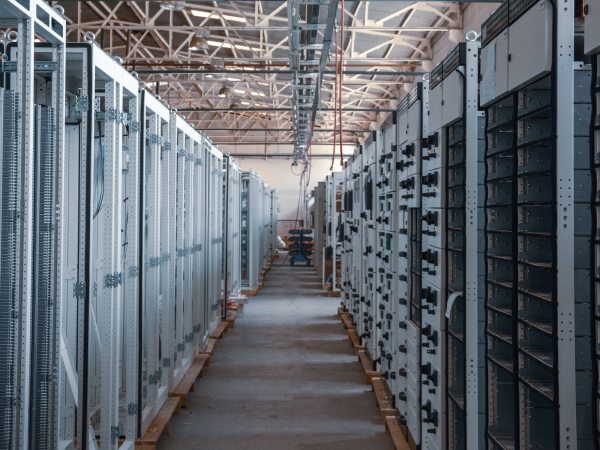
(277, 172)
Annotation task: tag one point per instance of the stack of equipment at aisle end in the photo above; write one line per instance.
(301, 245)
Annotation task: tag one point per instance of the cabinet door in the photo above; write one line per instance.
(414, 122)
(435, 108)
(592, 28)
(452, 107)
(494, 69)
(530, 45)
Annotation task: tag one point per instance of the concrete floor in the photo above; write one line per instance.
(284, 378)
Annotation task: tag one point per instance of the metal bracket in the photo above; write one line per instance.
(113, 280)
(166, 146)
(166, 362)
(82, 104)
(180, 347)
(135, 126)
(79, 289)
(115, 432)
(152, 137)
(154, 261)
(132, 409)
(134, 271)
(38, 66)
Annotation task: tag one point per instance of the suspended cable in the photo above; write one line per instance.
(340, 88)
(335, 101)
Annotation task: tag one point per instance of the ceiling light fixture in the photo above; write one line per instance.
(234, 46)
(211, 15)
(224, 92)
(198, 43)
(172, 6)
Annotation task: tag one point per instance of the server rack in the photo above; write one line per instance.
(214, 175)
(333, 228)
(316, 221)
(250, 242)
(369, 236)
(273, 214)
(97, 372)
(31, 158)
(265, 219)
(353, 261)
(199, 242)
(592, 48)
(412, 117)
(231, 211)
(537, 229)
(183, 158)
(156, 322)
(386, 252)
(452, 167)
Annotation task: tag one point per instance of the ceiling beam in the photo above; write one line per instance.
(261, 109)
(390, 73)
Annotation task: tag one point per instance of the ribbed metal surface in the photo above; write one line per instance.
(415, 94)
(389, 122)
(436, 76)
(456, 58)
(44, 301)
(497, 22)
(9, 262)
(516, 8)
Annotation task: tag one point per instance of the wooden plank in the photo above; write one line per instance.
(159, 426)
(231, 318)
(219, 330)
(383, 396)
(354, 339)
(333, 293)
(347, 321)
(209, 347)
(367, 364)
(394, 428)
(249, 292)
(188, 382)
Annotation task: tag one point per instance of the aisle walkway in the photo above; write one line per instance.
(284, 378)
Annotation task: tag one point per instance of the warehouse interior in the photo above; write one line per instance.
(301, 224)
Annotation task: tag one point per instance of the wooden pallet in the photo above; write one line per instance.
(347, 321)
(159, 426)
(231, 318)
(384, 397)
(367, 363)
(398, 433)
(188, 382)
(331, 293)
(249, 292)
(219, 330)
(354, 339)
(209, 347)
